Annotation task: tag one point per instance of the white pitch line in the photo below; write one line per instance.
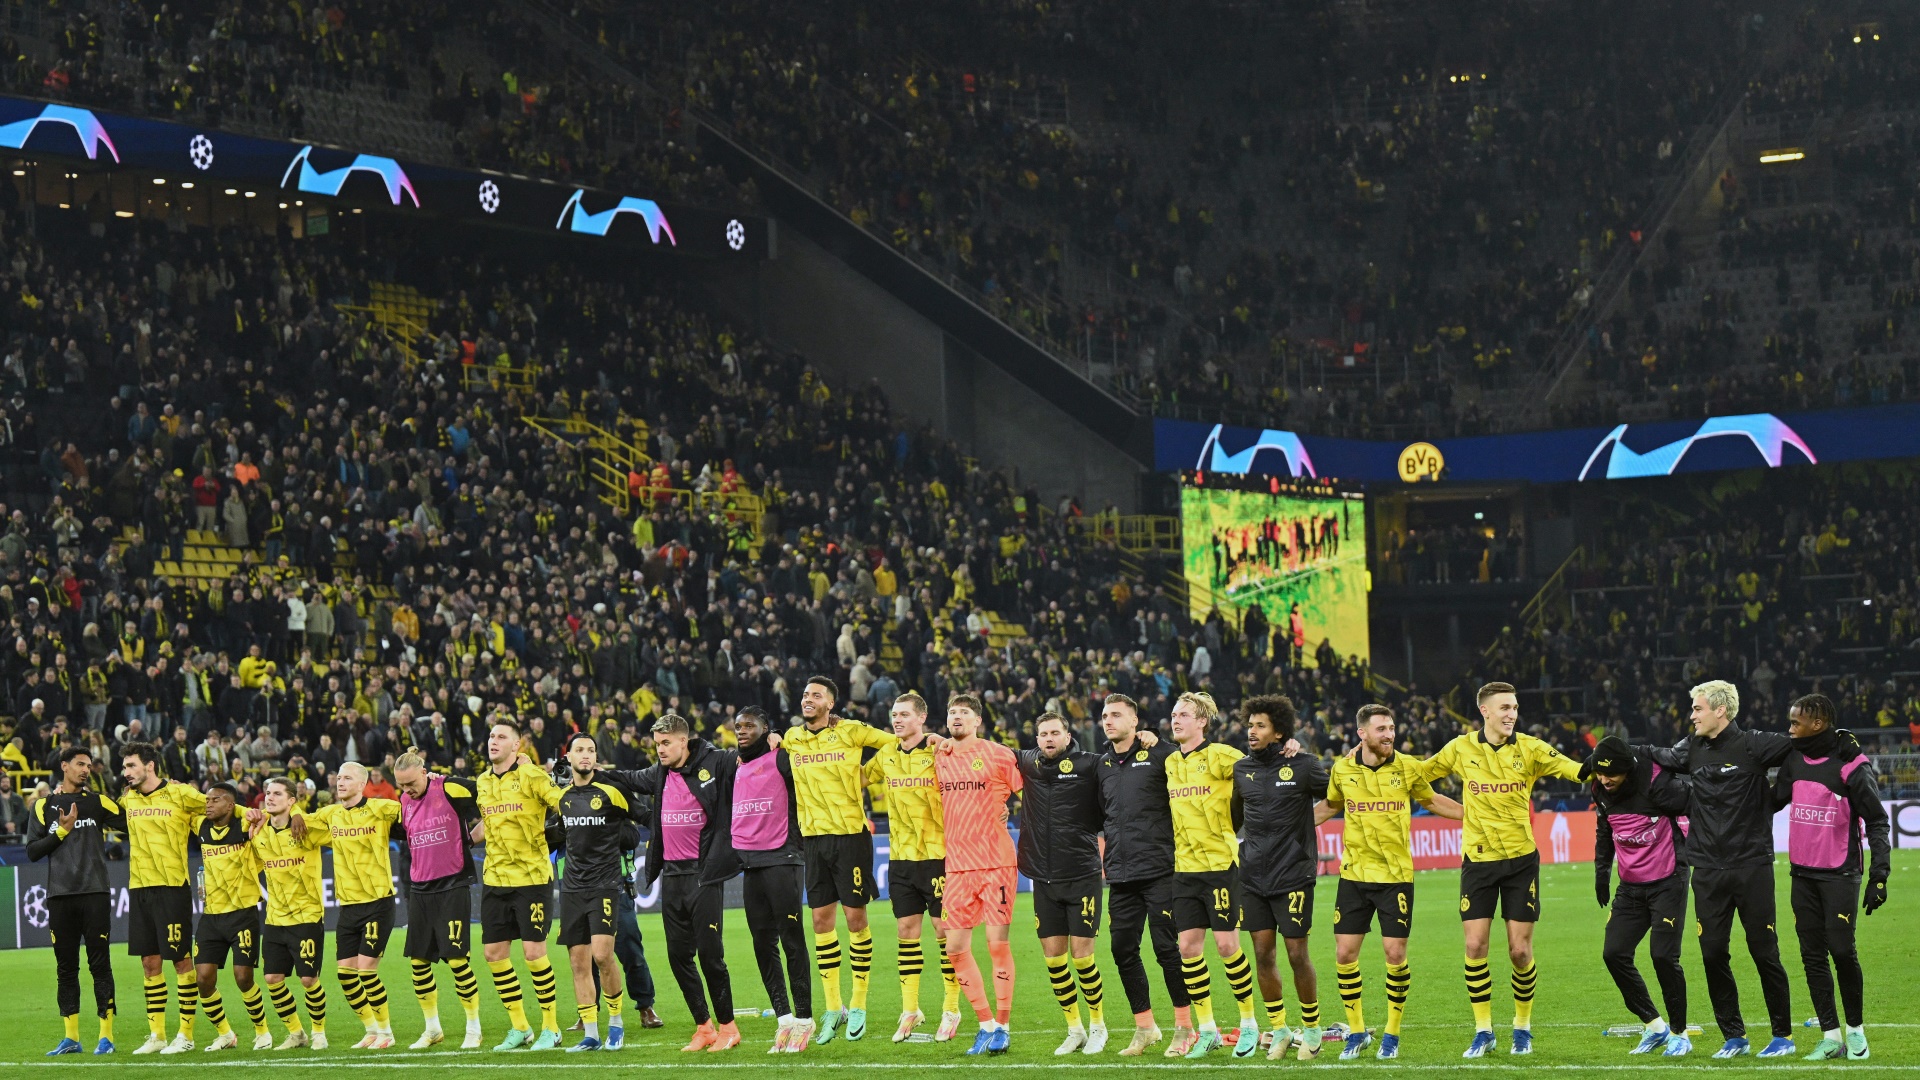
(437, 1061)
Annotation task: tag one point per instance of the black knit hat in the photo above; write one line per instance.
(1613, 756)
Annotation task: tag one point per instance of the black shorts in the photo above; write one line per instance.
(1207, 900)
(294, 950)
(515, 912)
(1290, 912)
(1513, 883)
(1067, 908)
(914, 886)
(236, 932)
(362, 929)
(437, 925)
(839, 869)
(1355, 903)
(584, 914)
(160, 922)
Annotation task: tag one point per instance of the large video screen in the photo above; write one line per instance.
(1289, 554)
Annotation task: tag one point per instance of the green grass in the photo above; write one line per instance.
(1576, 1000)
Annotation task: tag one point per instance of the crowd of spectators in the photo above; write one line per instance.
(1451, 204)
(418, 559)
(1786, 583)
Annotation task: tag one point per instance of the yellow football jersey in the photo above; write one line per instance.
(229, 868)
(1200, 791)
(828, 774)
(1378, 803)
(514, 807)
(362, 861)
(915, 830)
(158, 825)
(1496, 783)
(292, 868)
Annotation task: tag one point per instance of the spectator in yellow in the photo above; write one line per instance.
(254, 669)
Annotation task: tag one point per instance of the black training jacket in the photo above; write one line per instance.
(1730, 812)
(1060, 815)
(1273, 800)
(76, 864)
(1135, 814)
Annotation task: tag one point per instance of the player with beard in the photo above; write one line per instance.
(1137, 824)
(591, 823)
(1375, 789)
(1059, 850)
(160, 816)
(1274, 796)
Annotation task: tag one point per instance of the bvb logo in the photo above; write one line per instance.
(594, 802)
(1066, 766)
(1421, 461)
(705, 776)
(1286, 772)
(978, 764)
(1465, 903)
(1141, 756)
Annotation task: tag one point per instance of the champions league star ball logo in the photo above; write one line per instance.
(33, 904)
(200, 151)
(489, 196)
(736, 234)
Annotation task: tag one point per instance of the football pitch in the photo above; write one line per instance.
(1576, 1001)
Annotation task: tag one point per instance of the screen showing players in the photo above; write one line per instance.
(1300, 557)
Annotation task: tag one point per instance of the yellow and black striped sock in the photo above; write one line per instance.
(506, 983)
(826, 957)
(188, 994)
(911, 965)
(1240, 981)
(356, 996)
(949, 982)
(376, 992)
(1350, 991)
(1480, 993)
(283, 1004)
(590, 1018)
(1523, 983)
(426, 991)
(613, 1010)
(860, 961)
(156, 989)
(216, 1011)
(1193, 971)
(256, 1008)
(1060, 974)
(541, 971)
(1310, 1013)
(1090, 990)
(1399, 977)
(466, 987)
(317, 1007)
(1276, 1014)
